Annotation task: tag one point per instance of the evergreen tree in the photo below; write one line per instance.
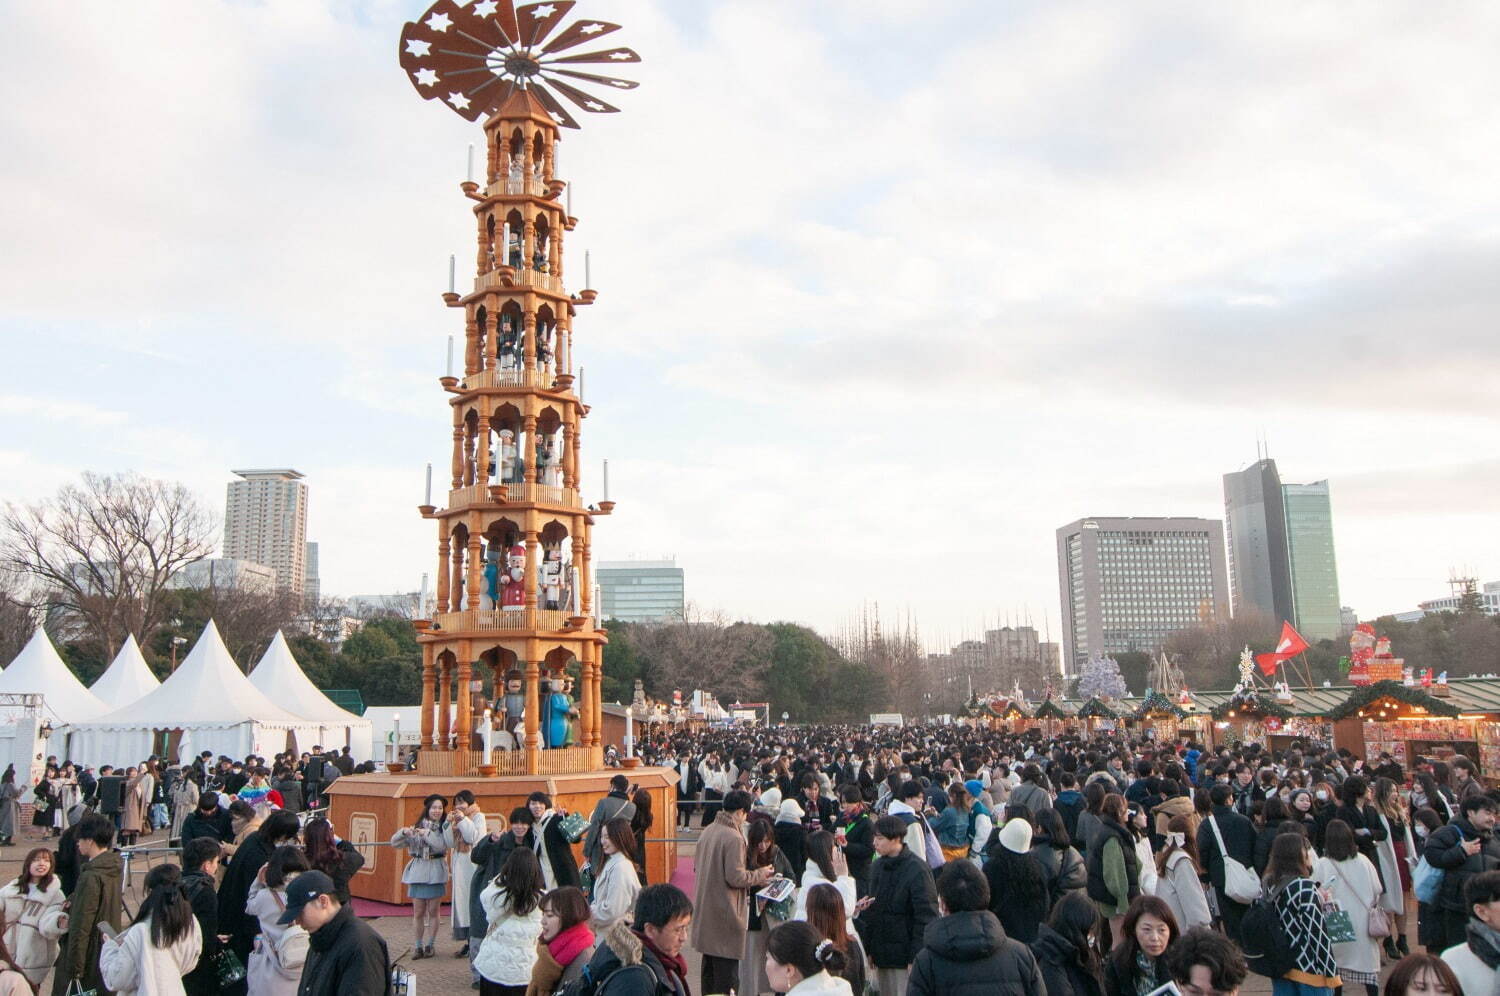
(1101, 677)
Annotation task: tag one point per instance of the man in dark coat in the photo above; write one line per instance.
(646, 959)
(208, 820)
(550, 843)
(615, 805)
(96, 900)
(965, 951)
(893, 918)
(279, 828)
(345, 956)
(1462, 849)
(1239, 838)
(200, 864)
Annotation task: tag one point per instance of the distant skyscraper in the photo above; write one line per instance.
(265, 521)
(1314, 572)
(641, 590)
(1259, 568)
(1129, 583)
(312, 588)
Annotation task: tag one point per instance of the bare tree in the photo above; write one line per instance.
(102, 552)
(18, 617)
(247, 617)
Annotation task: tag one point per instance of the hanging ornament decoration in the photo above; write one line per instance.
(473, 57)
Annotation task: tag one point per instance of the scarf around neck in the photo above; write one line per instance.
(1484, 941)
(675, 965)
(570, 943)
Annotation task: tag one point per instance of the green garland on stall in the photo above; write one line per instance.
(1094, 709)
(1050, 710)
(1361, 697)
(1157, 702)
(1260, 705)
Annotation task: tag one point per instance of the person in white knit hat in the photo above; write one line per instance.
(1018, 883)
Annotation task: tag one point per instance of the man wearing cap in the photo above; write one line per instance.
(345, 956)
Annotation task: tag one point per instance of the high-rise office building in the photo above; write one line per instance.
(641, 590)
(1313, 569)
(265, 521)
(312, 587)
(1129, 583)
(1259, 569)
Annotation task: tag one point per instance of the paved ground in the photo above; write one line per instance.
(444, 973)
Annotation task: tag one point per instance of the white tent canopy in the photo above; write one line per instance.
(38, 670)
(282, 679)
(208, 701)
(127, 679)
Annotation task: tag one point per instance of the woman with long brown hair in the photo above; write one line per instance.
(1178, 872)
(1395, 873)
(618, 884)
(1297, 896)
(761, 850)
(34, 914)
(827, 915)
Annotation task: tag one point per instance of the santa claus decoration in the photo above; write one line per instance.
(513, 580)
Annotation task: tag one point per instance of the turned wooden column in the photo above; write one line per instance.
(531, 566)
(456, 578)
(445, 701)
(483, 454)
(472, 594)
(443, 567)
(533, 739)
(595, 673)
(464, 718)
(429, 679)
(585, 698)
(528, 324)
(458, 449)
(531, 450)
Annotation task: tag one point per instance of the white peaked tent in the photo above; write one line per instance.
(282, 680)
(127, 678)
(37, 669)
(208, 701)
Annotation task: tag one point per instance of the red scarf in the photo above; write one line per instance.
(674, 964)
(570, 943)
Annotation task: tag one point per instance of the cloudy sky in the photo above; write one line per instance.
(888, 291)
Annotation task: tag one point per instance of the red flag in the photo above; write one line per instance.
(1290, 645)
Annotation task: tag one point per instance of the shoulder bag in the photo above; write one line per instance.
(1240, 883)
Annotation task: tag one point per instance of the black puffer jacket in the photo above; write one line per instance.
(891, 930)
(1445, 850)
(968, 954)
(345, 956)
(1057, 960)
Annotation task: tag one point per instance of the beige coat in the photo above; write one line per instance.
(721, 908)
(32, 926)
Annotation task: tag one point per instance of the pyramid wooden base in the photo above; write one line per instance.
(369, 808)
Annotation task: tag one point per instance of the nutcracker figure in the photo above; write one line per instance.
(507, 456)
(509, 345)
(513, 583)
(551, 582)
(514, 705)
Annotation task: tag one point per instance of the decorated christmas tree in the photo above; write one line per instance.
(1101, 678)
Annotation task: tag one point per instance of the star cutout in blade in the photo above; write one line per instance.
(488, 50)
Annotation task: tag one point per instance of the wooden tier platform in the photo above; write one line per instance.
(367, 809)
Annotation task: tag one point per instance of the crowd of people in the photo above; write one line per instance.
(827, 861)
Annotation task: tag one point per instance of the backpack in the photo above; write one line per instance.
(934, 851)
(1268, 949)
(587, 985)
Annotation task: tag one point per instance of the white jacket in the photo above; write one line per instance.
(1473, 974)
(821, 984)
(508, 952)
(1181, 889)
(32, 926)
(1147, 862)
(131, 965)
(275, 965)
(814, 876)
(615, 891)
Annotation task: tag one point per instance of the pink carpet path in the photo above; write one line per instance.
(682, 878)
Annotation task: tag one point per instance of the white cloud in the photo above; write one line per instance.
(888, 292)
